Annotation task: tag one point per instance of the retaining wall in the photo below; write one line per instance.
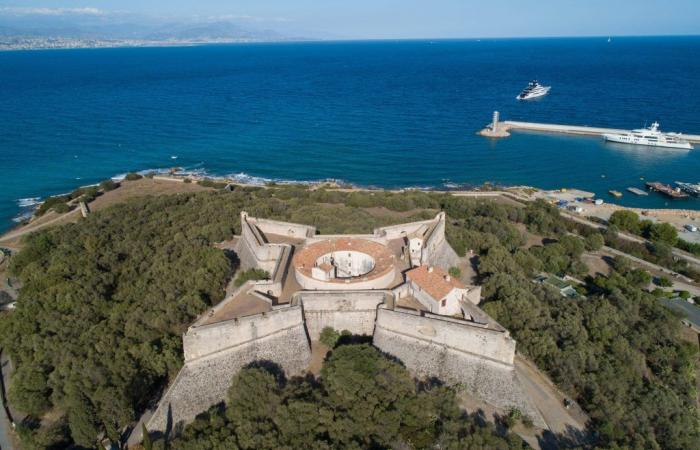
(204, 381)
(479, 359)
(353, 311)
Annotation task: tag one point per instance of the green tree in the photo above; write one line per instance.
(253, 398)
(329, 337)
(594, 241)
(664, 232)
(82, 419)
(625, 220)
(29, 391)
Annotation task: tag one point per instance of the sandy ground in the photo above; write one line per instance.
(676, 217)
(318, 355)
(596, 264)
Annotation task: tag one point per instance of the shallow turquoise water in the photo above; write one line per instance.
(371, 113)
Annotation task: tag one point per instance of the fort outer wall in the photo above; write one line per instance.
(217, 352)
(436, 250)
(470, 355)
(354, 311)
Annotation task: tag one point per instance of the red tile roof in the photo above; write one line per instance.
(435, 281)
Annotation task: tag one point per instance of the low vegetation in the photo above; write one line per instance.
(251, 275)
(97, 327)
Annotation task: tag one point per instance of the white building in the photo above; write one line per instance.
(439, 292)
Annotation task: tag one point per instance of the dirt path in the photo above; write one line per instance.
(11, 239)
(567, 423)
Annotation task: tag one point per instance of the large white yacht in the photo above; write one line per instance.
(533, 90)
(651, 137)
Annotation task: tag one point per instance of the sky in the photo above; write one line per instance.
(397, 19)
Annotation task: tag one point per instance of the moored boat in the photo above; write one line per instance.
(690, 188)
(616, 194)
(650, 137)
(666, 190)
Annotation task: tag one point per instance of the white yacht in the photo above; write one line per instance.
(651, 137)
(533, 90)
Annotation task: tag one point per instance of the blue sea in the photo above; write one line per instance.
(382, 113)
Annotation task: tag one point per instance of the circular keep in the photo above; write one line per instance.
(344, 263)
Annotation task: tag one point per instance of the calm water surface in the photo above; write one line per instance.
(385, 113)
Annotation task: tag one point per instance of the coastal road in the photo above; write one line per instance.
(628, 237)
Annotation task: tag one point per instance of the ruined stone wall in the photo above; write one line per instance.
(204, 381)
(353, 311)
(478, 359)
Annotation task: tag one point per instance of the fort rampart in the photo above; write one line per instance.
(342, 310)
(472, 356)
(278, 336)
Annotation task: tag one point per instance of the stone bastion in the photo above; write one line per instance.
(344, 282)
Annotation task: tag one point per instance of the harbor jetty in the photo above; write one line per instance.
(498, 129)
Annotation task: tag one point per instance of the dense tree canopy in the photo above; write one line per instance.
(103, 303)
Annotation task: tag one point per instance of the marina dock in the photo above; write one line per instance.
(498, 129)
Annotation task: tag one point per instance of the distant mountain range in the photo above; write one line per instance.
(62, 31)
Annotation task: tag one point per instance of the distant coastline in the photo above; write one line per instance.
(60, 43)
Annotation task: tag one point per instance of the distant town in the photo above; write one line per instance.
(46, 43)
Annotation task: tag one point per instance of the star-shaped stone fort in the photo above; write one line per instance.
(392, 285)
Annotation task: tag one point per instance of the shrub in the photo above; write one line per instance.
(108, 185)
(455, 272)
(514, 416)
(132, 176)
(663, 282)
(329, 337)
(251, 274)
(685, 295)
(51, 203)
(594, 241)
(62, 208)
(207, 182)
(187, 180)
